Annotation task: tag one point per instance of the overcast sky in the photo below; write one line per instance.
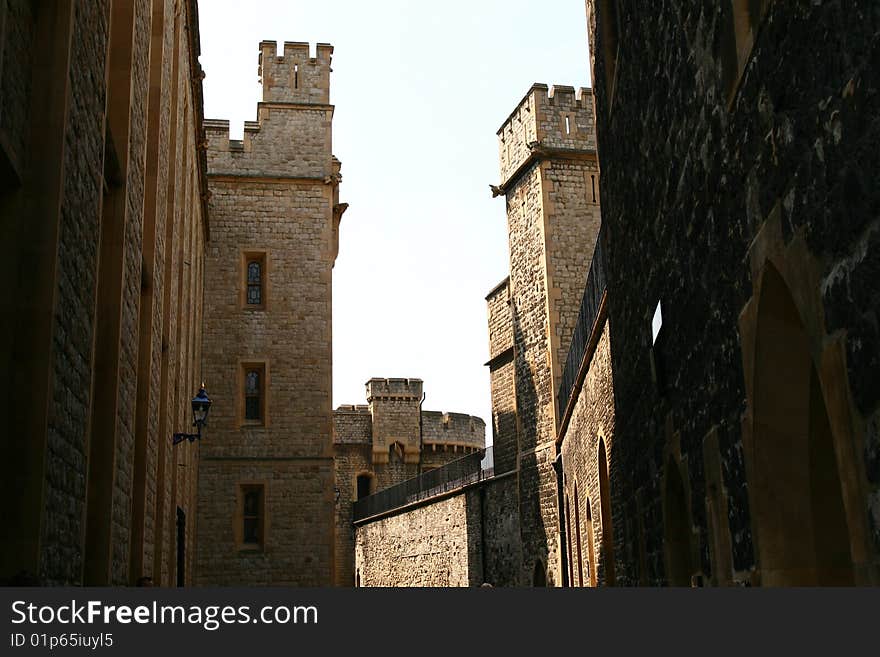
(420, 89)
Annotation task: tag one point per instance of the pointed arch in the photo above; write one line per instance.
(799, 514)
(605, 519)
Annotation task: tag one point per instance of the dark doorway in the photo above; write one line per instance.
(364, 485)
(181, 547)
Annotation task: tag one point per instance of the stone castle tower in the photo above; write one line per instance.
(266, 480)
(550, 180)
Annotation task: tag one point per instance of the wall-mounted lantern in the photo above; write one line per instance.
(201, 405)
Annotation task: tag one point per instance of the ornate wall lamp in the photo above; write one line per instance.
(201, 404)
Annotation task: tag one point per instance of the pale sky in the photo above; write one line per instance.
(420, 89)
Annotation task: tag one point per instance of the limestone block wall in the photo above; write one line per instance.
(547, 117)
(297, 550)
(573, 219)
(519, 130)
(553, 107)
(505, 438)
(443, 542)
(119, 244)
(294, 76)
(592, 419)
(452, 429)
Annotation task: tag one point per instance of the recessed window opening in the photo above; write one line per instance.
(254, 393)
(252, 515)
(593, 179)
(364, 484)
(255, 283)
(296, 76)
(567, 125)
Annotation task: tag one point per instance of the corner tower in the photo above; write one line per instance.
(550, 182)
(266, 482)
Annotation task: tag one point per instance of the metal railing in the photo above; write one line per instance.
(450, 477)
(595, 288)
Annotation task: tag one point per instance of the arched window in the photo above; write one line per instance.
(605, 519)
(396, 453)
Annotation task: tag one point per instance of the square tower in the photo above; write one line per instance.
(550, 181)
(266, 483)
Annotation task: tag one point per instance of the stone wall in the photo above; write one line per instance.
(738, 153)
(505, 438)
(88, 506)
(592, 419)
(444, 542)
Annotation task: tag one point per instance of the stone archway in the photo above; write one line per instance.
(797, 383)
(799, 511)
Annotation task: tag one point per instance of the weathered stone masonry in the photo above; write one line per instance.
(455, 540)
(86, 113)
(739, 146)
(549, 173)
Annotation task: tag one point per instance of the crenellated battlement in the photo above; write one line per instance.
(292, 134)
(452, 429)
(295, 76)
(557, 117)
(403, 389)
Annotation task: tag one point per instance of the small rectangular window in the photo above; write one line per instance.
(252, 512)
(254, 278)
(254, 386)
